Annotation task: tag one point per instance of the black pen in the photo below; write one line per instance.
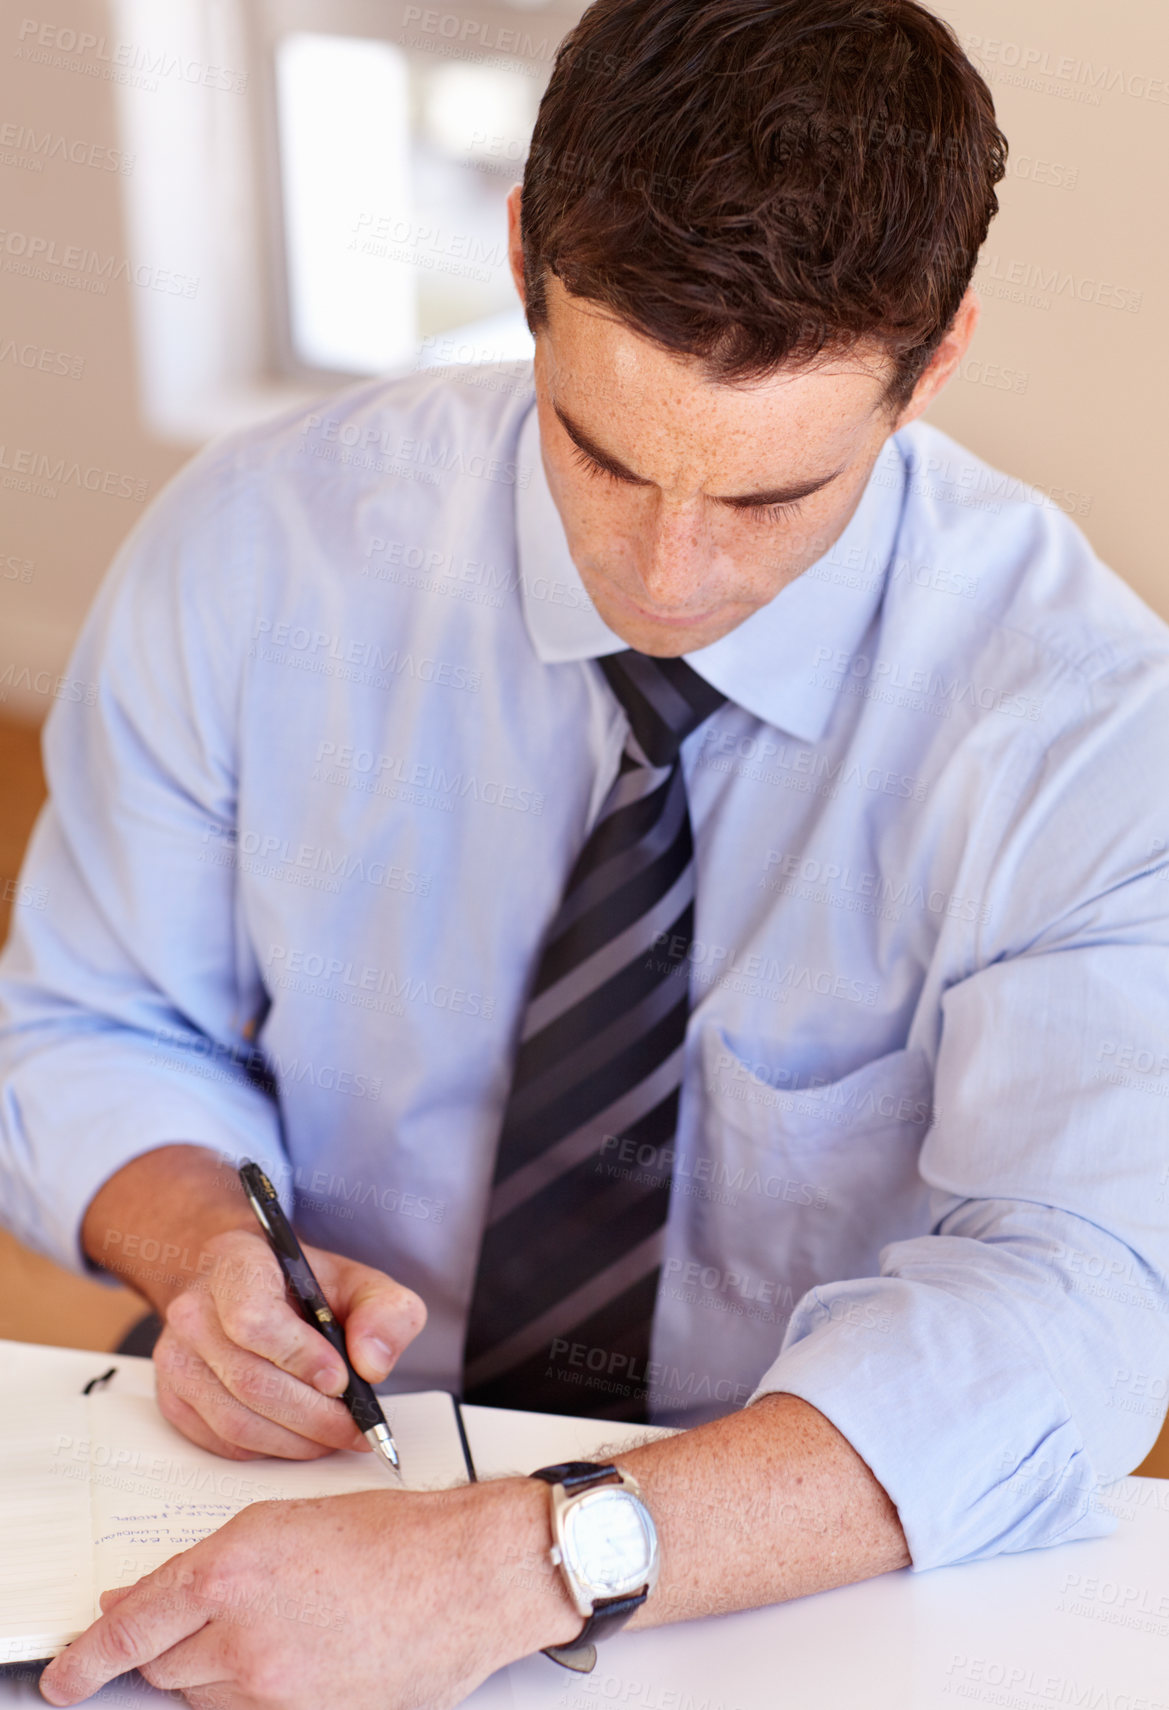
(359, 1398)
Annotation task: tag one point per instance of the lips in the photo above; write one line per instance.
(686, 621)
(675, 622)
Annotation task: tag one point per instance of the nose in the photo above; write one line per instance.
(674, 556)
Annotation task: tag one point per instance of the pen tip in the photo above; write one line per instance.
(382, 1443)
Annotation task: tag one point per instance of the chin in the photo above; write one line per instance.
(666, 641)
(670, 646)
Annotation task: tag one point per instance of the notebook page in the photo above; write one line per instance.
(421, 1422)
(155, 1493)
(46, 1553)
(505, 1442)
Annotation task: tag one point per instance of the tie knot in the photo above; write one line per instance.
(665, 699)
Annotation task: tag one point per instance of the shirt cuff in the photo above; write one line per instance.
(970, 1439)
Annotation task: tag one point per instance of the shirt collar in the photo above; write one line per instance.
(768, 664)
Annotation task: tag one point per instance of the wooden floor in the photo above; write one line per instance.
(39, 1302)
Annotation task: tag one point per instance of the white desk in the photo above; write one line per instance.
(1080, 1627)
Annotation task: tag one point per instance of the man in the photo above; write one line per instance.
(667, 880)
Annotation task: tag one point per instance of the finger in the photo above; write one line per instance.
(219, 1696)
(295, 1420)
(253, 1308)
(148, 1621)
(187, 1389)
(114, 1595)
(194, 1343)
(202, 1660)
(258, 1410)
(183, 1417)
(381, 1316)
(181, 1374)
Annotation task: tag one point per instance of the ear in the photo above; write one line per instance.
(944, 362)
(515, 248)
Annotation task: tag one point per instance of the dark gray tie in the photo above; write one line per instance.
(563, 1302)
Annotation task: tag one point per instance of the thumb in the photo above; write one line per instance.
(380, 1316)
(109, 1599)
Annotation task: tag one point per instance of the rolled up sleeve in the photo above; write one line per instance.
(127, 998)
(1001, 1368)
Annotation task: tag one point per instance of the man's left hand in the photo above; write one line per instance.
(377, 1599)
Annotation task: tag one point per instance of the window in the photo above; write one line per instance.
(342, 197)
(393, 177)
(344, 138)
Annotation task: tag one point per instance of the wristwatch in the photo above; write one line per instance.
(606, 1547)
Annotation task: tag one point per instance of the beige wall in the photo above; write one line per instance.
(1081, 89)
(55, 546)
(1061, 389)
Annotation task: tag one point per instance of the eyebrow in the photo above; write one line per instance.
(739, 501)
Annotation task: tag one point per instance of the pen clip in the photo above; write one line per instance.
(265, 1202)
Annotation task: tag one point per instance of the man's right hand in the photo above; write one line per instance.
(239, 1370)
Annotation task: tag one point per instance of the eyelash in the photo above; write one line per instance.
(772, 513)
(758, 513)
(591, 466)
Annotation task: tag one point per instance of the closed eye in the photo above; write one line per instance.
(759, 513)
(591, 467)
(771, 513)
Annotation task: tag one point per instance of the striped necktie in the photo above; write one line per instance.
(563, 1303)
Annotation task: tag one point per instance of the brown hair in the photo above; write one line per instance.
(760, 182)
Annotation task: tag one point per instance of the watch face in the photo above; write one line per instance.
(609, 1542)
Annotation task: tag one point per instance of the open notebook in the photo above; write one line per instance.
(97, 1489)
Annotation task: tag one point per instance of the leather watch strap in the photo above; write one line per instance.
(609, 1613)
(572, 1474)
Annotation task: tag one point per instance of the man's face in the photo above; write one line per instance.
(716, 496)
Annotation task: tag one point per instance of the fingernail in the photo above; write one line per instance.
(378, 1354)
(330, 1381)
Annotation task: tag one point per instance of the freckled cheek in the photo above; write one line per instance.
(601, 529)
(758, 558)
(802, 539)
(766, 557)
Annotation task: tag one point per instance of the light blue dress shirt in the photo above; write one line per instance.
(328, 746)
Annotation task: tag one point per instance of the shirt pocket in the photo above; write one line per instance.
(809, 1185)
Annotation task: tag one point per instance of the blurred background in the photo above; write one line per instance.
(213, 209)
